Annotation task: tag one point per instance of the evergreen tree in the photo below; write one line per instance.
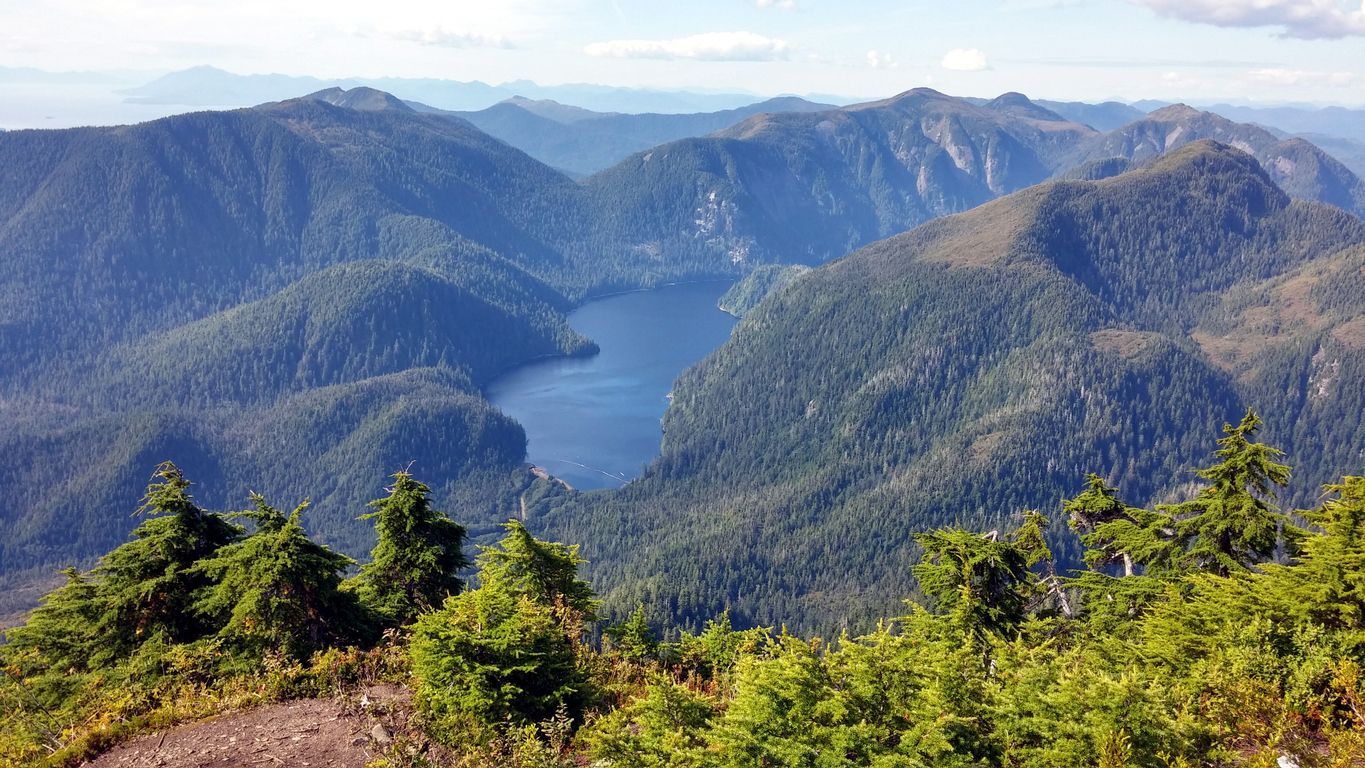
(1233, 525)
(278, 590)
(494, 655)
(59, 632)
(718, 648)
(416, 562)
(545, 571)
(1099, 505)
(1114, 532)
(665, 728)
(1328, 584)
(633, 638)
(147, 587)
(983, 582)
(778, 715)
(507, 650)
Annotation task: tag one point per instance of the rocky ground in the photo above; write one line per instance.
(330, 733)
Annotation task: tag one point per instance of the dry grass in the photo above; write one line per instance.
(981, 237)
(1351, 333)
(1129, 345)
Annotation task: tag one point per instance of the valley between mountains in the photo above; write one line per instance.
(301, 297)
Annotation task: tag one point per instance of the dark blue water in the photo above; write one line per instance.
(594, 422)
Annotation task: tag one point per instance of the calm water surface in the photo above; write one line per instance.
(594, 422)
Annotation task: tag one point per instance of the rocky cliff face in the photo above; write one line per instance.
(806, 187)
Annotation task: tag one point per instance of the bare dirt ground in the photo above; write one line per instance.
(321, 733)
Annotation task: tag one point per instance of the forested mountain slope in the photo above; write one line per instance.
(192, 214)
(977, 366)
(301, 292)
(807, 187)
(339, 263)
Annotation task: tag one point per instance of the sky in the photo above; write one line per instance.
(1265, 51)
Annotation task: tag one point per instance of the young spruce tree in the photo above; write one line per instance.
(509, 649)
(1233, 524)
(982, 582)
(415, 564)
(278, 590)
(147, 587)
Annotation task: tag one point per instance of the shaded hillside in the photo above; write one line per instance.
(343, 324)
(745, 295)
(583, 142)
(1351, 152)
(960, 372)
(329, 444)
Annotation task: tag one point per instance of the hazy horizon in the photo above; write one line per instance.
(1245, 52)
(38, 98)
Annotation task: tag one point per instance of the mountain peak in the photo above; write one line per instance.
(912, 99)
(1175, 112)
(1012, 98)
(553, 110)
(920, 93)
(1019, 105)
(1208, 159)
(360, 98)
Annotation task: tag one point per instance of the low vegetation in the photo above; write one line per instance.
(1219, 630)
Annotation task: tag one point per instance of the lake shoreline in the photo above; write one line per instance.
(594, 421)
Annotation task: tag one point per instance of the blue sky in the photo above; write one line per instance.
(1242, 50)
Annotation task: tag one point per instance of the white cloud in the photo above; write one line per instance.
(1178, 84)
(446, 38)
(786, 5)
(1302, 77)
(711, 46)
(965, 60)
(1308, 19)
(878, 60)
(1041, 5)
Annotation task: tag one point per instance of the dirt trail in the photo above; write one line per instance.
(322, 733)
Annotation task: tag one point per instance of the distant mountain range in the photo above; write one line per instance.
(210, 86)
(1341, 131)
(1105, 116)
(1334, 121)
(1302, 169)
(300, 297)
(583, 142)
